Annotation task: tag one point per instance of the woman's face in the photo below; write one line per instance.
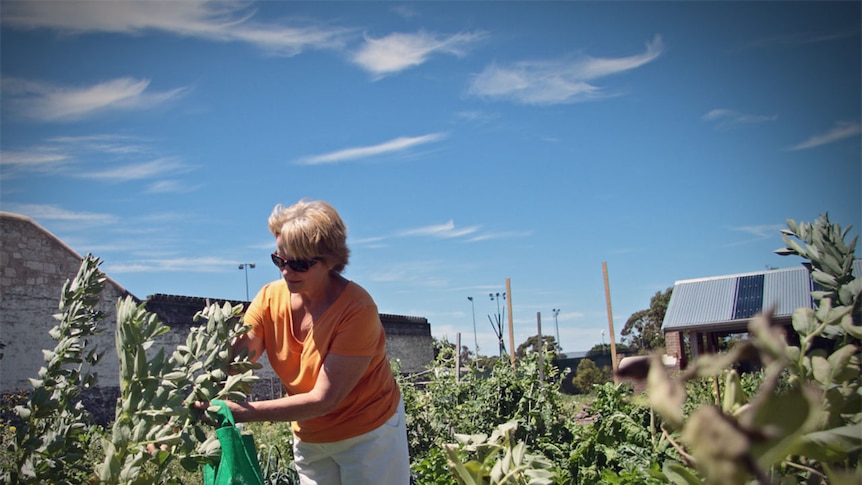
(310, 281)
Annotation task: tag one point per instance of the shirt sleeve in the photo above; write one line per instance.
(257, 312)
(359, 333)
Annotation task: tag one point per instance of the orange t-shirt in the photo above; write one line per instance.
(350, 327)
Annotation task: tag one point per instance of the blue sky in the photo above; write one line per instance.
(464, 143)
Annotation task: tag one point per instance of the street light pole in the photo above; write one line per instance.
(246, 267)
(557, 326)
(475, 338)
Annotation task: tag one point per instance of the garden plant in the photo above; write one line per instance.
(797, 419)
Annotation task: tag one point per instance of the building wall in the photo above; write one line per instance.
(675, 344)
(34, 265)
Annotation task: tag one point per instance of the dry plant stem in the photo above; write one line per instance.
(806, 468)
(690, 461)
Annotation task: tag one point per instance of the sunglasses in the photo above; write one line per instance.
(295, 265)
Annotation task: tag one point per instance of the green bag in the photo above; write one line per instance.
(239, 464)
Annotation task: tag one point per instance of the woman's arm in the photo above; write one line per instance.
(337, 378)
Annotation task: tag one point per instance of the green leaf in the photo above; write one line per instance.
(680, 475)
(734, 394)
(854, 331)
(458, 467)
(783, 417)
(820, 369)
(824, 279)
(839, 365)
(830, 445)
(804, 321)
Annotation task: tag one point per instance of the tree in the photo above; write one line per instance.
(589, 374)
(447, 349)
(604, 349)
(532, 345)
(642, 331)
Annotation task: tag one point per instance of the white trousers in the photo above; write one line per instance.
(379, 457)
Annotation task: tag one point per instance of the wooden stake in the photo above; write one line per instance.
(610, 322)
(541, 347)
(511, 324)
(458, 357)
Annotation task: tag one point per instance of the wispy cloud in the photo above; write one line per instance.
(840, 131)
(47, 102)
(113, 158)
(139, 171)
(727, 118)
(185, 265)
(37, 160)
(171, 186)
(399, 51)
(757, 233)
(762, 231)
(423, 274)
(475, 116)
(45, 212)
(500, 235)
(447, 230)
(220, 21)
(547, 82)
(392, 146)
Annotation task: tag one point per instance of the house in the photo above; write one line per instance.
(703, 310)
(34, 266)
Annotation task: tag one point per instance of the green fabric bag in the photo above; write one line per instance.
(239, 464)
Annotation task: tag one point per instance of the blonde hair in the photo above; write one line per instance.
(311, 229)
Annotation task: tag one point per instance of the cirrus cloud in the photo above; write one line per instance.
(557, 81)
(49, 102)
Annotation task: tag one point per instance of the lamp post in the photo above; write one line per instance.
(603, 341)
(246, 267)
(557, 326)
(475, 338)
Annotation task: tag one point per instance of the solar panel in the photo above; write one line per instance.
(749, 296)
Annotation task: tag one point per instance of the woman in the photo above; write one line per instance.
(323, 337)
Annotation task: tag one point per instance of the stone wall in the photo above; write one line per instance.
(34, 265)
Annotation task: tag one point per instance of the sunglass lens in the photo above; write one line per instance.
(295, 265)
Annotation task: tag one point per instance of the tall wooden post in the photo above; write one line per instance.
(458, 357)
(610, 322)
(511, 323)
(541, 347)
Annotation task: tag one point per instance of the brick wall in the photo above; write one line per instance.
(675, 344)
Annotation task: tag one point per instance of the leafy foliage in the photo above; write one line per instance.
(480, 400)
(497, 460)
(588, 374)
(807, 430)
(622, 445)
(797, 420)
(52, 437)
(642, 331)
(156, 421)
(532, 344)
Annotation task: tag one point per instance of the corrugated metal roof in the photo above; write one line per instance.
(709, 302)
(786, 291)
(701, 302)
